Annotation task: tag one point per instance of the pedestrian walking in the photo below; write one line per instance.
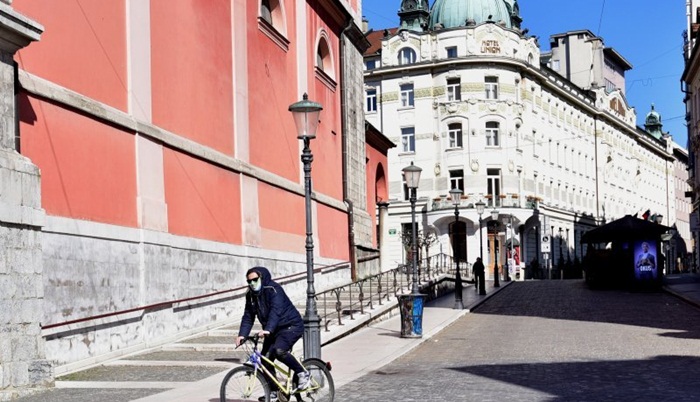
(479, 279)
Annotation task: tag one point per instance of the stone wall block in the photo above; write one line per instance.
(31, 195)
(41, 373)
(19, 374)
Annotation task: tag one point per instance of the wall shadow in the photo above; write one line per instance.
(573, 300)
(663, 378)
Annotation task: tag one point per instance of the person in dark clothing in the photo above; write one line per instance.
(479, 277)
(282, 324)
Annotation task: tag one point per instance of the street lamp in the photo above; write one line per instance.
(659, 219)
(456, 195)
(306, 117)
(480, 206)
(411, 175)
(496, 284)
(411, 306)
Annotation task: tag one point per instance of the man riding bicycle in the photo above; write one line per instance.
(282, 324)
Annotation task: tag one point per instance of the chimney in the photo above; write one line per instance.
(365, 24)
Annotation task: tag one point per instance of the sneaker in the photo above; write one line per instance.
(304, 382)
(273, 397)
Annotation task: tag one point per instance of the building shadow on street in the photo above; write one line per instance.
(573, 300)
(662, 378)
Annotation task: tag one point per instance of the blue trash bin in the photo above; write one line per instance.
(411, 307)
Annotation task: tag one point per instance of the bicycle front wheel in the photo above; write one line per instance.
(322, 388)
(244, 384)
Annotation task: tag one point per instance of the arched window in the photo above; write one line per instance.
(323, 57)
(407, 56)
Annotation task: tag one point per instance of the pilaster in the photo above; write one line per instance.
(23, 367)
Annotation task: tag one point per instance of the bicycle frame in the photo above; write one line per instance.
(258, 359)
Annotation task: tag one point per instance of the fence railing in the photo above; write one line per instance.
(342, 302)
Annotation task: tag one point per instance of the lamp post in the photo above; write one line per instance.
(456, 195)
(306, 114)
(411, 175)
(411, 305)
(480, 206)
(512, 255)
(496, 284)
(561, 255)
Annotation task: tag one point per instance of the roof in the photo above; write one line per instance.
(456, 13)
(375, 40)
(625, 229)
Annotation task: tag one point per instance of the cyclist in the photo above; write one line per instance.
(282, 324)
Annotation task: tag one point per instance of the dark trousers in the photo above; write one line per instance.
(278, 346)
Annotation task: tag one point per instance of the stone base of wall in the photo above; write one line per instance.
(94, 269)
(23, 368)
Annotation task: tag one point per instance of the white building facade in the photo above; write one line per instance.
(461, 91)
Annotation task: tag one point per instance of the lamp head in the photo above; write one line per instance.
(456, 196)
(480, 206)
(411, 174)
(306, 115)
(494, 214)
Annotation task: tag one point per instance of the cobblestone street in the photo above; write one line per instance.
(551, 340)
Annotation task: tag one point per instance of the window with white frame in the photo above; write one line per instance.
(493, 186)
(407, 95)
(453, 89)
(491, 84)
(407, 56)
(408, 139)
(457, 179)
(454, 135)
(492, 135)
(371, 100)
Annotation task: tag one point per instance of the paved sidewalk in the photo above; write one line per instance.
(358, 353)
(684, 286)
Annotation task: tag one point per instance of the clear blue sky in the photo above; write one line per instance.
(648, 33)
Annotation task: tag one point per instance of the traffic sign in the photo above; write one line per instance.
(546, 244)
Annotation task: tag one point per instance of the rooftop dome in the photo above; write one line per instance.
(456, 13)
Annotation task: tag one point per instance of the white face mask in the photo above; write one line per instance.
(255, 285)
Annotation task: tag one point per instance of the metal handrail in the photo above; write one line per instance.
(378, 289)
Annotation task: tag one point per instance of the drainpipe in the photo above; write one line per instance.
(343, 129)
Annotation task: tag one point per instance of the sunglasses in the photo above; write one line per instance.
(252, 280)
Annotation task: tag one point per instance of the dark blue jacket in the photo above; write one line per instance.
(271, 305)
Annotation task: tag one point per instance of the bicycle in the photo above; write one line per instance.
(253, 380)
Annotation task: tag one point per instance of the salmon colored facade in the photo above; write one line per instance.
(170, 162)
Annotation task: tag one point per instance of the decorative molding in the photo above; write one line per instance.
(274, 35)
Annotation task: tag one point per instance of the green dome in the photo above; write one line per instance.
(455, 13)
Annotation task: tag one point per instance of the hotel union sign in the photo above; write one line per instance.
(490, 46)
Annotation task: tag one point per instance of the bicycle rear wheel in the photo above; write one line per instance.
(322, 386)
(244, 384)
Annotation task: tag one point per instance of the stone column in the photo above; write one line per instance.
(23, 367)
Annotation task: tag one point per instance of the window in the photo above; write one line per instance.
(407, 56)
(492, 139)
(319, 58)
(555, 65)
(408, 139)
(454, 133)
(451, 52)
(453, 89)
(493, 186)
(370, 64)
(266, 11)
(609, 86)
(457, 179)
(371, 100)
(491, 87)
(406, 95)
